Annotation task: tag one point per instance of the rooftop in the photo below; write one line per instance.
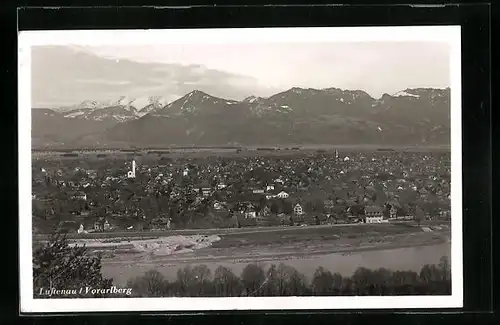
(373, 209)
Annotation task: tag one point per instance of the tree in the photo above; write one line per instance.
(253, 278)
(274, 285)
(291, 282)
(338, 282)
(322, 283)
(58, 265)
(432, 207)
(402, 278)
(296, 284)
(283, 280)
(262, 202)
(287, 207)
(275, 207)
(381, 279)
(151, 284)
(226, 283)
(185, 281)
(445, 268)
(202, 281)
(419, 215)
(319, 206)
(362, 279)
(309, 207)
(429, 274)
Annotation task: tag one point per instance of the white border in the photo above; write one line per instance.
(447, 34)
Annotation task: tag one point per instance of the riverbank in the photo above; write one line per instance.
(217, 250)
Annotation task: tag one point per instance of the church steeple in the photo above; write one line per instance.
(131, 173)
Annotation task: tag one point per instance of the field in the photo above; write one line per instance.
(229, 152)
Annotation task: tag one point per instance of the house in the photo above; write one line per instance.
(258, 191)
(252, 214)
(297, 209)
(160, 223)
(266, 211)
(218, 205)
(374, 219)
(206, 191)
(446, 214)
(204, 188)
(221, 186)
(282, 195)
(393, 212)
(81, 230)
(79, 196)
(270, 196)
(373, 214)
(269, 188)
(373, 211)
(99, 224)
(250, 211)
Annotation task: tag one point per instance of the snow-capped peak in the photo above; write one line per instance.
(196, 92)
(250, 99)
(94, 104)
(74, 114)
(405, 93)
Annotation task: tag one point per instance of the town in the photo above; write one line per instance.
(157, 192)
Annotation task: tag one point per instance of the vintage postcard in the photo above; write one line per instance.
(240, 169)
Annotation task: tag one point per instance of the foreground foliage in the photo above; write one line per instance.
(59, 266)
(284, 280)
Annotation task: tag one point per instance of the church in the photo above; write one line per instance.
(131, 173)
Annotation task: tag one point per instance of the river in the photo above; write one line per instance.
(408, 258)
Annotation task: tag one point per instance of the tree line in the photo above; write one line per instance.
(284, 280)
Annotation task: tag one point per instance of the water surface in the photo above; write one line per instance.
(408, 258)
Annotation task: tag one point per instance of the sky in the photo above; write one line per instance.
(66, 75)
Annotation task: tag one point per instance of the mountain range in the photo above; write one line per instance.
(419, 116)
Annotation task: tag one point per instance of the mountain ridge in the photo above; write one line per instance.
(297, 115)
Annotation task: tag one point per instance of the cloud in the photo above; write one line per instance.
(104, 81)
(64, 76)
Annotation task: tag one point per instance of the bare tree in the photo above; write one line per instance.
(151, 284)
(226, 283)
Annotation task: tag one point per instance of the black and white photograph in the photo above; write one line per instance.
(240, 169)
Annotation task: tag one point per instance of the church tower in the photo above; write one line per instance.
(131, 173)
